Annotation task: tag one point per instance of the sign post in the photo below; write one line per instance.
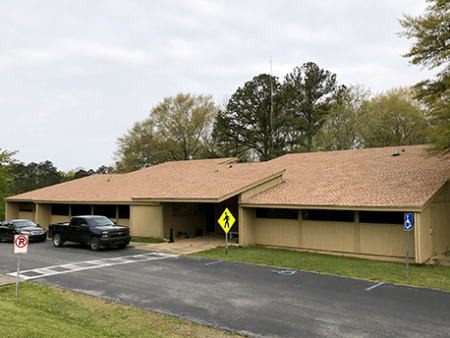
(226, 222)
(408, 226)
(20, 247)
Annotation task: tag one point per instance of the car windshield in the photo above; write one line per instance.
(24, 224)
(99, 222)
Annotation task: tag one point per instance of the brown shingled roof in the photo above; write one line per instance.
(96, 188)
(212, 179)
(357, 178)
(200, 179)
(351, 178)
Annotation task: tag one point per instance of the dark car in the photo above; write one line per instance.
(22, 227)
(91, 230)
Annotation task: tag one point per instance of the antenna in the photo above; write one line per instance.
(271, 109)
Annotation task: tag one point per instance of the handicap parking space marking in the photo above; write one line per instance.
(87, 265)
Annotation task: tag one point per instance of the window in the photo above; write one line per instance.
(60, 209)
(81, 209)
(329, 215)
(381, 217)
(75, 222)
(97, 221)
(105, 210)
(24, 224)
(124, 211)
(277, 213)
(29, 207)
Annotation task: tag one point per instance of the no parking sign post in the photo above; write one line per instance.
(20, 247)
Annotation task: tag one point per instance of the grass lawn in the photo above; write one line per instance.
(47, 312)
(436, 277)
(146, 240)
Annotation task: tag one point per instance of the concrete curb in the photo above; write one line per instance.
(7, 280)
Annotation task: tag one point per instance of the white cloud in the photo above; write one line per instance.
(129, 56)
(93, 68)
(181, 49)
(17, 57)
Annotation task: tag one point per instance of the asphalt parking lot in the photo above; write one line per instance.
(257, 301)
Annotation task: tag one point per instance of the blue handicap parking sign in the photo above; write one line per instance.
(409, 221)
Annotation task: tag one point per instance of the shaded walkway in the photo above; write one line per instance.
(184, 246)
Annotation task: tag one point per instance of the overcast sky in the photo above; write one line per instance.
(75, 75)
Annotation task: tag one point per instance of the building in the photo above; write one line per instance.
(345, 202)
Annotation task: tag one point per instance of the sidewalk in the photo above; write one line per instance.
(6, 280)
(184, 246)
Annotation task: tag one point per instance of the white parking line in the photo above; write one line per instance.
(374, 286)
(215, 262)
(86, 265)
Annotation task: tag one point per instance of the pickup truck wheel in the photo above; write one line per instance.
(57, 241)
(94, 244)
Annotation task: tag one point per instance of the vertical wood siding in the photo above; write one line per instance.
(26, 215)
(59, 219)
(277, 232)
(146, 221)
(368, 239)
(385, 240)
(330, 236)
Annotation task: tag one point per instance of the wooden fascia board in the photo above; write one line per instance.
(435, 194)
(85, 202)
(146, 201)
(334, 207)
(26, 200)
(139, 203)
(73, 202)
(253, 185)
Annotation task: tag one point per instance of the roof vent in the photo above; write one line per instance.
(395, 153)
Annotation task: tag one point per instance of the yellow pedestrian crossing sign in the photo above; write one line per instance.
(226, 221)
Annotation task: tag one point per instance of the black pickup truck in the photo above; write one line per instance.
(94, 231)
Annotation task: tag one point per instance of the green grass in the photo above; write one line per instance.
(435, 277)
(43, 311)
(147, 240)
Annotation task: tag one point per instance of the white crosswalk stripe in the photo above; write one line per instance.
(86, 265)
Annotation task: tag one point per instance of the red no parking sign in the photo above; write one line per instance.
(20, 244)
(20, 247)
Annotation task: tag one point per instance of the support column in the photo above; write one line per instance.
(246, 226)
(12, 210)
(358, 232)
(43, 215)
